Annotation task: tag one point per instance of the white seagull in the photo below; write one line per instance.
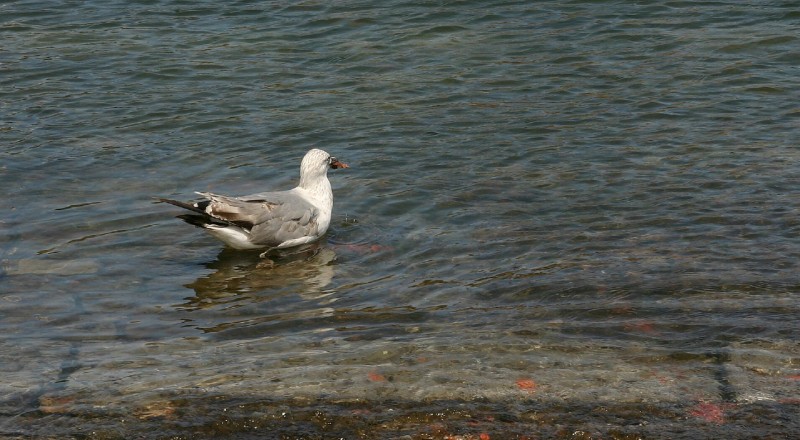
(271, 220)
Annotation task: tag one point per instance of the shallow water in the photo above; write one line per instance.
(562, 219)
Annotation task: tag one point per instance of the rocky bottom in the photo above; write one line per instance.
(181, 417)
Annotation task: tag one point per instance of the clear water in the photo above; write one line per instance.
(569, 219)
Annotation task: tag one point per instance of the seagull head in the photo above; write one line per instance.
(315, 165)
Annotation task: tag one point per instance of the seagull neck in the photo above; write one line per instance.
(315, 185)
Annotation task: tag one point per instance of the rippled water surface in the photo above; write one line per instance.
(573, 219)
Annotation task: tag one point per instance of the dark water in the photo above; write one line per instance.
(570, 219)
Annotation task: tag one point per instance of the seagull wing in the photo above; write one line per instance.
(270, 219)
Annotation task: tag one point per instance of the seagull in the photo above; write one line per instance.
(271, 220)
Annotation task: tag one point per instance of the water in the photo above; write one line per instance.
(562, 219)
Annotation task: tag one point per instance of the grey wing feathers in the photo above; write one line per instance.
(270, 218)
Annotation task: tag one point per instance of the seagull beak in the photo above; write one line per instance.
(335, 164)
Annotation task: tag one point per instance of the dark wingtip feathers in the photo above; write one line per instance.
(200, 209)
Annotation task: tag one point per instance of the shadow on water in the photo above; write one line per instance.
(245, 291)
(238, 274)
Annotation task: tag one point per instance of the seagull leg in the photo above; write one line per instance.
(309, 250)
(268, 263)
(313, 252)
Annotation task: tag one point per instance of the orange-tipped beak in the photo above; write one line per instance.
(335, 164)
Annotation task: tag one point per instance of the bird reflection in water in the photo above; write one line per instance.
(239, 276)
